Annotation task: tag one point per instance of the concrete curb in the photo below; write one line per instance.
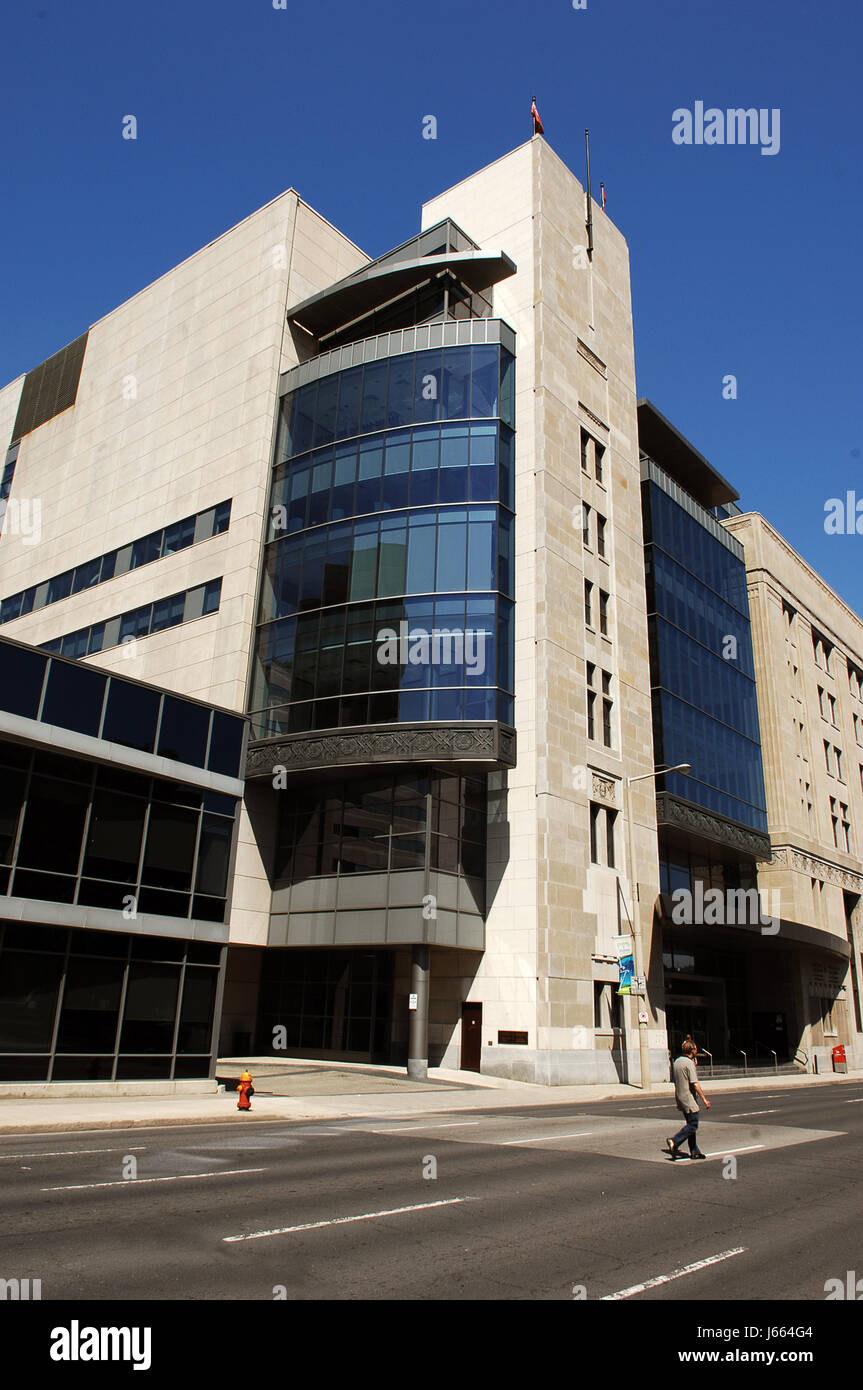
(35, 1117)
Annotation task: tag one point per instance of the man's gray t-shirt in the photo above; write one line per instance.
(685, 1077)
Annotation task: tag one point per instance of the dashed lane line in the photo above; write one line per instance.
(675, 1274)
(69, 1153)
(346, 1220)
(137, 1182)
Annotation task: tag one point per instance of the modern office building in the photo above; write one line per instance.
(387, 516)
(809, 673)
(118, 806)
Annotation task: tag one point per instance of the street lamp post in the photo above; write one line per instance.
(637, 953)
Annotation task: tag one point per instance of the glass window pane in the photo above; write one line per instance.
(302, 419)
(350, 399)
(114, 837)
(87, 575)
(131, 714)
(21, 675)
(53, 825)
(374, 414)
(428, 385)
(325, 411)
(151, 1003)
(456, 383)
(401, 389)
(451, 548)
(178, 536)
(420, 578)
(485, 372)
(170, 847)
(183, 731)
(91, 1004)
(29, 983)
(481, 549)
(213, 855)
(226, 744)
(73, 698)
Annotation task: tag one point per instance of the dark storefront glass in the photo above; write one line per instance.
(81, 837)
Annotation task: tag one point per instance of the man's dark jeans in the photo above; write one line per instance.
(689, 1131)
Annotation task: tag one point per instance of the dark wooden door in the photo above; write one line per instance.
(471, 1036)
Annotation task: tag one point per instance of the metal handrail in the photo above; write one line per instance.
(775, 1055)
(745, 1059)
(703, 1052)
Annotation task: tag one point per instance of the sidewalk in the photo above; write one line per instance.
(445, 1091)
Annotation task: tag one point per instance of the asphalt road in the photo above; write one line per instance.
(546, 1203)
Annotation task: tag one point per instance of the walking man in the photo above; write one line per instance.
(686, 1088)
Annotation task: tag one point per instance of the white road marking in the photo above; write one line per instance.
(450, 1124)
(676, 1274)
(68, 1153)
(136, 1182)
(345, 1220)
(720, 1153)
(858, 1101)
(540, 1138)
(741, 1114)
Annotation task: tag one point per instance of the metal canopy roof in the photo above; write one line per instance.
(674, 454)
(366, 289)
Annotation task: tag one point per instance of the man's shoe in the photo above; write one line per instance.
(671, 1150)
(698, 1155)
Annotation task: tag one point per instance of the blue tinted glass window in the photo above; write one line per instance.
(364, 568)
(97, 632)
(391, 578)
(428, 386)
(212, 595)
(325, 410)
(350, 402)
(483, 473)
(145, 550)
(413, 706)
(87, 575)
(337, 567)
(446, 705)
(135, 624)
(322, 475)
(109, 564)
(485, 378)
(400, 394)
(60, 586)
(420, 576)
(10, 608)
(28, 598)
(507, 387)
(74, 644)
(481, 564)
(369, 478)
(452, 548)
(425, 456)
(504, 543)
(480, 703)
(453, 463)
(312, 574)
(302, 423)
(167, 612)
(300, 479)
(331, 653)
(222, 519)
(358, 648)
(177, 536)
(374, 412)
(456, 383)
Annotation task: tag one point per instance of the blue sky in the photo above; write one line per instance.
(742, 263)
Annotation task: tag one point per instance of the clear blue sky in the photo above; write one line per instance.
(742, 263)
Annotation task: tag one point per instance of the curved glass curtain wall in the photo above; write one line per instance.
(391, 512)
